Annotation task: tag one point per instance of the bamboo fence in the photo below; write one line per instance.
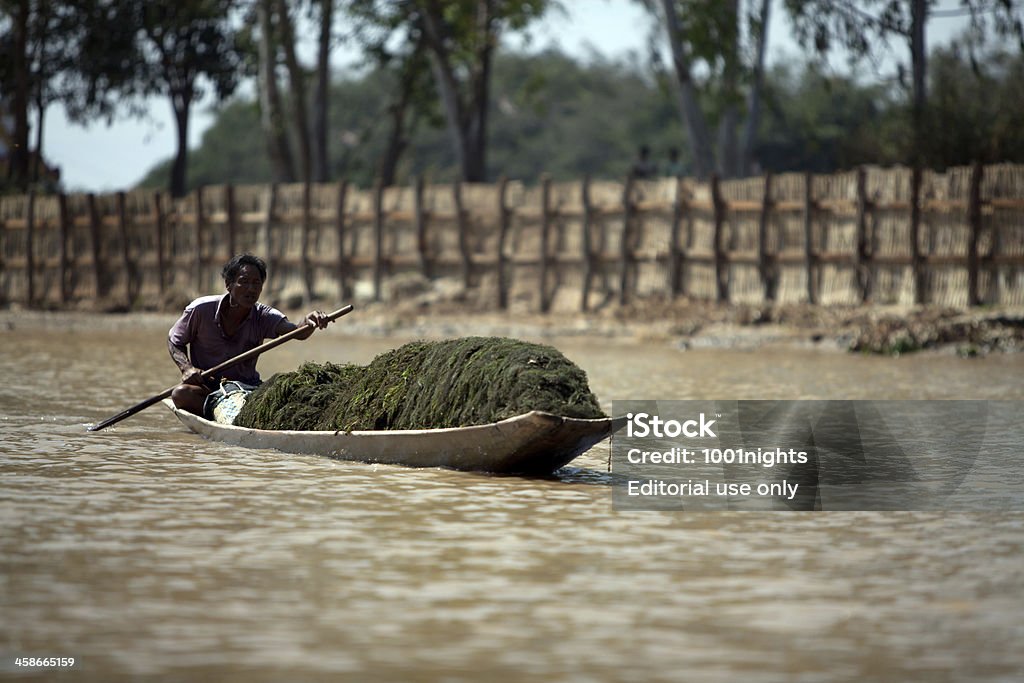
(870, 235)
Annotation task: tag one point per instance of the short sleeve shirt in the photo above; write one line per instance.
(199, 328)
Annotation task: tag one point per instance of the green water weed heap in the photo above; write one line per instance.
(425, 385)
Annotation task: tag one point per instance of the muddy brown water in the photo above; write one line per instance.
(146, 552)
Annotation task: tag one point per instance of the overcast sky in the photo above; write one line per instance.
(101, 158)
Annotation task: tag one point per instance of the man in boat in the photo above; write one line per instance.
(215, 328)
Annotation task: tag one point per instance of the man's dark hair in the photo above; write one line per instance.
(231, 268)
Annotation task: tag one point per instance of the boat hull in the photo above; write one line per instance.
(532, 443)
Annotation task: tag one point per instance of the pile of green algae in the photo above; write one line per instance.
(424, 385)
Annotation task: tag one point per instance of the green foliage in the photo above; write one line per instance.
(975, 108)
(231, 151)
(816, 122)
(550, 114)
(425, 385)
(553, 114)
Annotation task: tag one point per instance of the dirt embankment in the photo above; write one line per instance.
(691, 324)
(436, 311)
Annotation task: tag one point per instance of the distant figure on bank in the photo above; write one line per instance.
(674, 167)
(219, 327)
(643, 167)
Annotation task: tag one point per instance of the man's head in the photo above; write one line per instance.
(233, 267)
(244, 276)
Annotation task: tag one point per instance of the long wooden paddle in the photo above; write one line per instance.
(251, 353)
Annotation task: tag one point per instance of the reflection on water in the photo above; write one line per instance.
(143, 550)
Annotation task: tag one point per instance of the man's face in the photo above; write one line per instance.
(246, 287)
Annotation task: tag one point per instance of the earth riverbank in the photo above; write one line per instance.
(890, 330)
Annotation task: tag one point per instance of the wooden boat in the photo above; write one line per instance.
(534, 443)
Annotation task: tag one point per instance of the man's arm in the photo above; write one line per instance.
(189, 373)
(313, 321)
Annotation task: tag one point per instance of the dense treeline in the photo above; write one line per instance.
(439, 92)
(555, 115)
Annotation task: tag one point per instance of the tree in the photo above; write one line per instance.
(551, 115)
(697, 130)
(297, 82)
(321, 98)
(759, 26)
(403, 62)
(821, 122)
(17, 79)
(706, 36)
(56, 52)
(38, 46)
(976, 103)
(180, 47)
(272, 120)
(865, 27)
(278, 23)
(459, 38)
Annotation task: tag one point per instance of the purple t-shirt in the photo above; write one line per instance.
(199, 328)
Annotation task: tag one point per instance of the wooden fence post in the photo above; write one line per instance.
(588, 247)
(130, 276)
(625, 247)
(810, 255)
(676, 250)
(503, 225)
(766, 261)
(378, 237)
(721, 262)
(462, 217)
(307, 232)
(545, 238)
(30, 256)
(974, 220)
(94, 233)
(232, 227)
(266, 228)
(339, 231)
(65, 231)
(200, 231)
(422, 247)
(161, 259)
(863, 255)
(917, 260)
(3, 259)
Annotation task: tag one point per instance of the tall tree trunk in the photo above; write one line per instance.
(17, 169)
(447, 86)
(271, 116)
(754, 96)
(728, 145)
(478, 114)
(918, 58)
(397, 140)
(408, 74)
(39, 58)
(323, 81)
(297, 79)
(181, 103)
(467, 123)
(38, 167)
(728, 125)
(693, 117)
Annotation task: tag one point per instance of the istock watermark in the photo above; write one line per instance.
(819, 455)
